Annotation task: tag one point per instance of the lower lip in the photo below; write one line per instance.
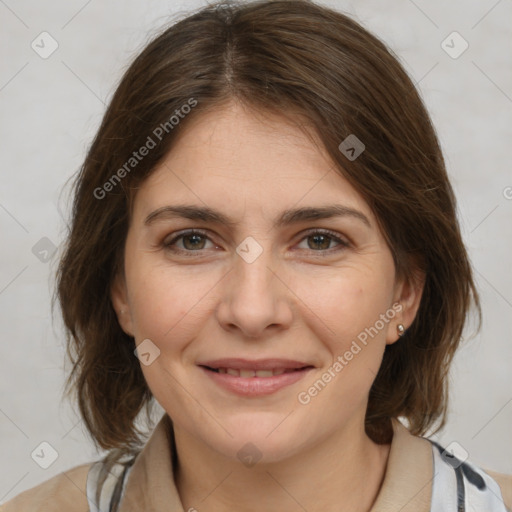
(255, 386)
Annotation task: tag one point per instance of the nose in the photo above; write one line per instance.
(255, 298)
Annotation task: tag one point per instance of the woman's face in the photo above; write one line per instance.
(287, 275)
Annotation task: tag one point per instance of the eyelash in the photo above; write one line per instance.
(331, 234)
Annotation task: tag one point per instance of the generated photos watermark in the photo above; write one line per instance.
(152, 141)
(305, 397)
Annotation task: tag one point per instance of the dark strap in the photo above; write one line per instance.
(116, 495)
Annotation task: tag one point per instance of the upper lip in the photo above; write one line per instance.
(252, 364)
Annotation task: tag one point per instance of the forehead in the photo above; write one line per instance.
(234, 157)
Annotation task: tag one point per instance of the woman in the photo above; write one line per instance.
(265, 241)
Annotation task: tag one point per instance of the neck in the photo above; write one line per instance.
(344, 471)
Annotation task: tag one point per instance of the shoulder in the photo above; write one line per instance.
(454, 480)
(481, 488)
(505, 483)
(65, 491)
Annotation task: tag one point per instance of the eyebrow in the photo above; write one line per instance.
(288, 217)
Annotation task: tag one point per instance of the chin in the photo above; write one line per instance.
(260, 439)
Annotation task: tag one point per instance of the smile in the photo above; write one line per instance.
(254, 378)
(245, 374)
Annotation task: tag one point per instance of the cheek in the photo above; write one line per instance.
(347, 305)
(167, 304)
(346, 315)
(169, 309)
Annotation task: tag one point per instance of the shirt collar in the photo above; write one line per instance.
(150, 484)
(407, 484)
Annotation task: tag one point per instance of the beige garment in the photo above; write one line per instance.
(407, 484)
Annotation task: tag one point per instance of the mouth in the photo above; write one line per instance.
(248, 373)
(255, 378)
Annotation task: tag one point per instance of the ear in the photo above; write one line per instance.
(407, 298)
(119, 297)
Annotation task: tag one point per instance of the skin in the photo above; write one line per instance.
(291, 302)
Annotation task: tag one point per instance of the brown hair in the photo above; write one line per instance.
(290, 57)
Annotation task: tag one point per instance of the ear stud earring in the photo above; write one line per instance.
(400, 329)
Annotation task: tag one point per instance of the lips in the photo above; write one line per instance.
(254, 377)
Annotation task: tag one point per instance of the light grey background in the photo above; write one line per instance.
(51, 108)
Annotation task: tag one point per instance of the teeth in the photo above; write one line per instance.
(254, 373)
(264, 373)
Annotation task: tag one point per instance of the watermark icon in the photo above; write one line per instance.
(44, 45)
(454, 45)
(152, 141)
(44, 455)
(454, 454)
(146, 352)
(249, 455)
(351, 147)
(507, 193)
(304, 397)
(249, 250)
(44, 249)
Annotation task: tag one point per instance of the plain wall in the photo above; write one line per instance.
(51, 108)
